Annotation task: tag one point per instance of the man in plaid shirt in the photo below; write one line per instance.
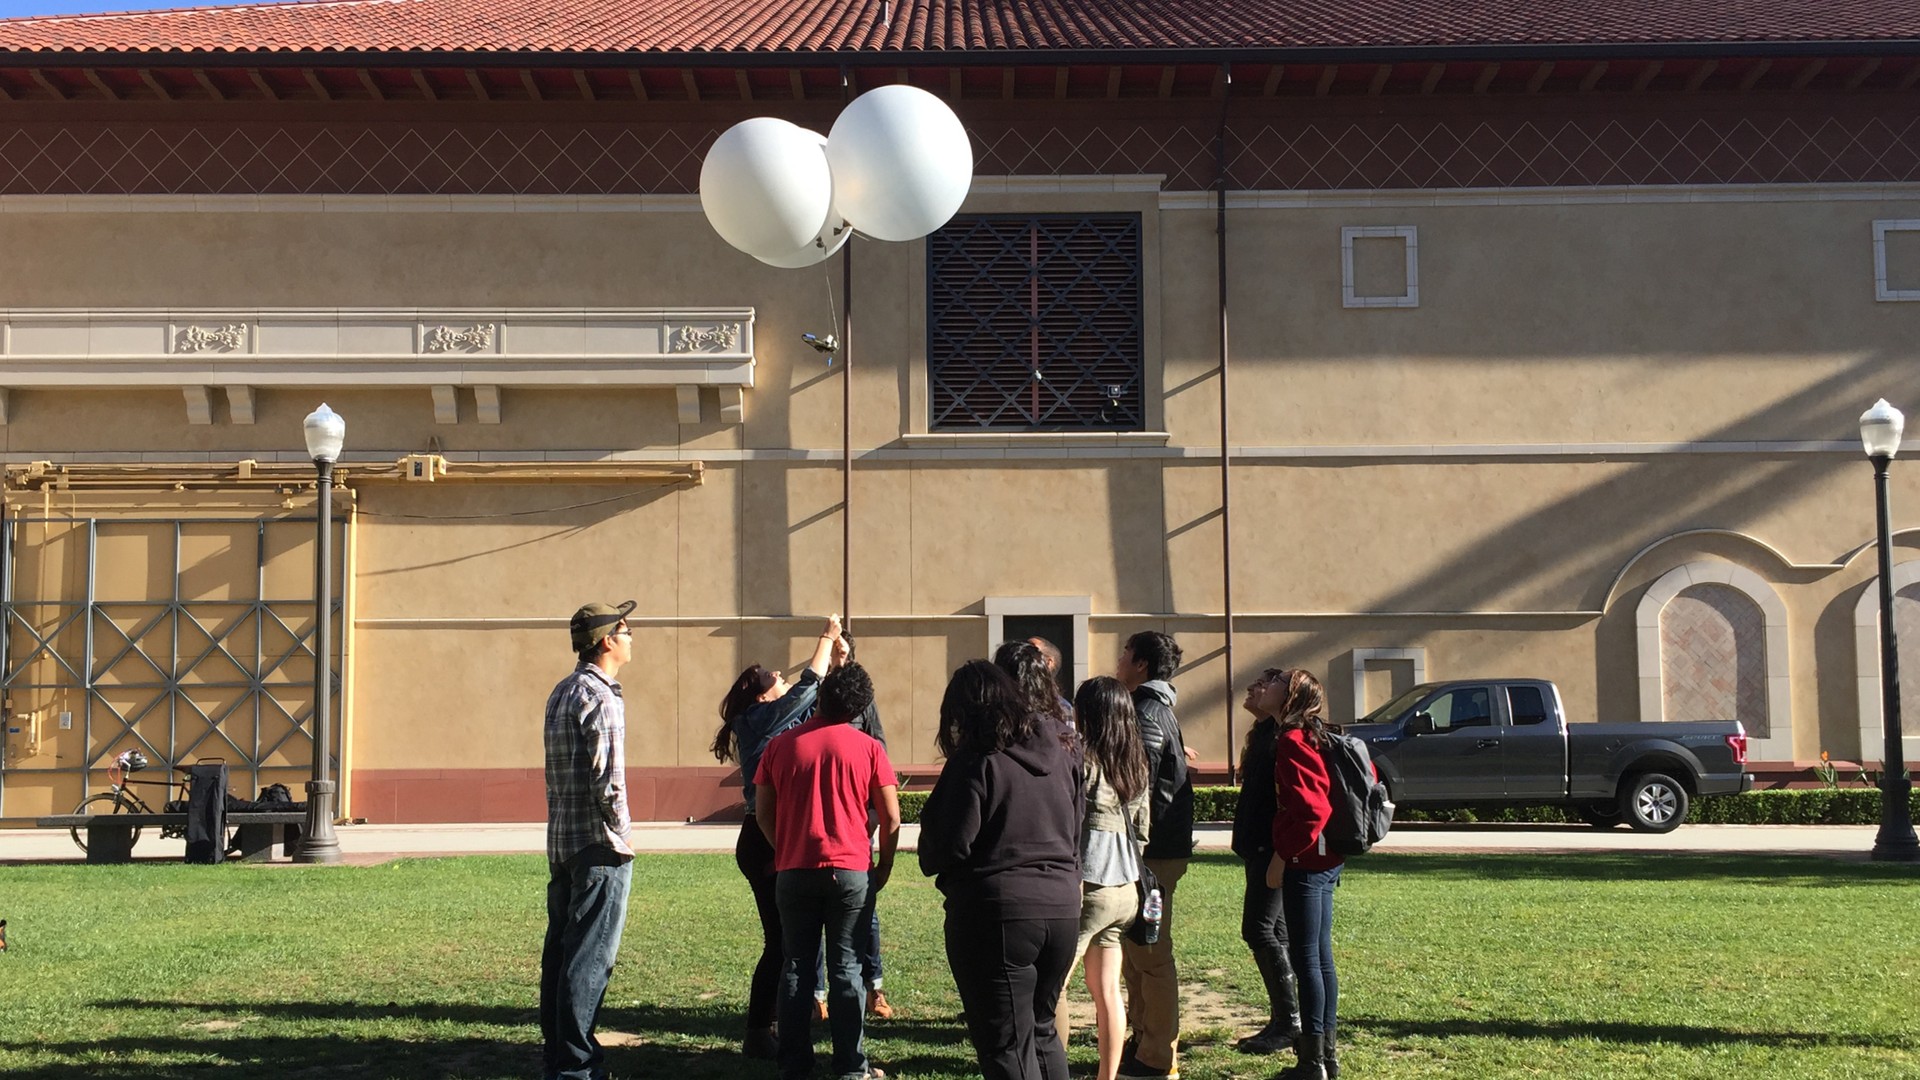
(589, 859)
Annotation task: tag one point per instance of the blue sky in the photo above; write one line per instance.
(11, 8)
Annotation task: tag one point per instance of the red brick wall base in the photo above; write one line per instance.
(423, 796)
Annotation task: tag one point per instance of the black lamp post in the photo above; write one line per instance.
(1880, 429)
(325, 432)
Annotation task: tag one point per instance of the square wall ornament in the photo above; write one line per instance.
(1363, 284)
(1896, 260)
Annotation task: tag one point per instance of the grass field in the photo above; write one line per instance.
(1595, 966)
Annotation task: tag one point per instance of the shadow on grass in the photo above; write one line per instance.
(349, 1038)
(1619, 1034)
(1768, 869)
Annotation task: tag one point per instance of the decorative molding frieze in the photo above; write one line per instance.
(724, 337)
(454, 339)
(229, 338)
(77, 349)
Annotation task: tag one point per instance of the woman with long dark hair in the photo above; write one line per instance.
(1263, 919)
(1113, 840)
(1301, 867)
(759, 705)
(999, 835)
(1028, 665)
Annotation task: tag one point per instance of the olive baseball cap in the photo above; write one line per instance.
(596, 621)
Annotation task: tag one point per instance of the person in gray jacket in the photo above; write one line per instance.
(1147, 663)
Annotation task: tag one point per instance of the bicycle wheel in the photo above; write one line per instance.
(107, 802)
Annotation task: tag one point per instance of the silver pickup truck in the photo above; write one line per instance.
(1483, 742)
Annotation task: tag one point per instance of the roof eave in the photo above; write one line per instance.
(865, 58)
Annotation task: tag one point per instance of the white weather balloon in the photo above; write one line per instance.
(765, 187)
(833, 235)
(901, 162)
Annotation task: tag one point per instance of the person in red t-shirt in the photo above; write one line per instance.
(812, 790)
(1302, 868)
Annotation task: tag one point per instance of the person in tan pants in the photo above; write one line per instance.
(1147, 664)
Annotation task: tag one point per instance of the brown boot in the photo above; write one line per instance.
(877, 1005)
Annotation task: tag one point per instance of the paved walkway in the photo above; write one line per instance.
(377, 843)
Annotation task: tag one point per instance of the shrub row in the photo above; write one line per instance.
(1826, 806)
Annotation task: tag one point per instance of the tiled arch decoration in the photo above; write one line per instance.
(1866, 647)
(1777, 745)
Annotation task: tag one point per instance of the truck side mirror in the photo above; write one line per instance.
(1420, 723)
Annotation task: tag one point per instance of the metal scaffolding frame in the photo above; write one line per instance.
(155, 639)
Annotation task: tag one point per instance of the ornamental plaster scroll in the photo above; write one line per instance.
(381, 348)
(721, 338)
(230, 338)
(1866, 651)
(1778, 745)
(453, 339)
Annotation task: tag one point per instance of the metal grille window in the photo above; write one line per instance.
(1034, 323)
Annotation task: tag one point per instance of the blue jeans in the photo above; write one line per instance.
(866, 939)
(1308, 897)
(586, 911)
(812, 901)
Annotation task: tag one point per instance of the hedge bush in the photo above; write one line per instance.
(1825, 806)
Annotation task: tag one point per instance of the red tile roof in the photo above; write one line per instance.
(815, 26)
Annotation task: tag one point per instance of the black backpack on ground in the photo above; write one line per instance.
(1362, 813)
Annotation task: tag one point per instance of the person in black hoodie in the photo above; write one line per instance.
(1000, 836)
(1148, 661)
(1263, 920)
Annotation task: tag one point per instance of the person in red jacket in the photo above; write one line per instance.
(1302, 868)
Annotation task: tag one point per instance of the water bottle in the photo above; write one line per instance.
(1150, 911)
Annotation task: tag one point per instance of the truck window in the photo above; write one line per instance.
(1463, 708)
(1528, 705)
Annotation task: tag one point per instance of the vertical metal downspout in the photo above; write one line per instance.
(846, 410)
(1226, 447)
(6, 624)
(846, 436)
(86, 679)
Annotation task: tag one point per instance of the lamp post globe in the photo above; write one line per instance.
(326, 433)
(1880, 430)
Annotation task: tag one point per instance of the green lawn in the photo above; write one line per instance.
(1557, 966)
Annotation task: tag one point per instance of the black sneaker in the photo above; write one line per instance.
(1132, 1069)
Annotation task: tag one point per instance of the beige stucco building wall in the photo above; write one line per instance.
(1595, 388)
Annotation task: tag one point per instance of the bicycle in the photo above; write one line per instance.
(122, 799)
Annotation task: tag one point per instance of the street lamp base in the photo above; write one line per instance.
(318, 844)
(1896, 849)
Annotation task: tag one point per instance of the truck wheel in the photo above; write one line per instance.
(1600, 815)
(1654, 803)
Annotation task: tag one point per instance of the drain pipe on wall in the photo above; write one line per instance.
(1226, 475)
(846, 409)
